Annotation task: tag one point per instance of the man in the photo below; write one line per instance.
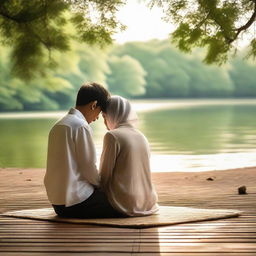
(71, 178)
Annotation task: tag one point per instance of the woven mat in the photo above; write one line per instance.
(167, 215)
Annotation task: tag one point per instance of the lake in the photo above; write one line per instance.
(184, 135)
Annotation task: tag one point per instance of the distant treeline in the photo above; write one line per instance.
(151, 69)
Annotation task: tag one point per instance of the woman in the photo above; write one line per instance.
(124, 167)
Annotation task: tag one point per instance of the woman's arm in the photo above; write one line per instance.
(108, 159)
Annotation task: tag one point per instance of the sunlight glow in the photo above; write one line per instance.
(201, 163)
(142, 23)
(153, 105)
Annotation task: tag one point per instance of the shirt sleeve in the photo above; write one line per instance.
(86, 156)
(108, 159)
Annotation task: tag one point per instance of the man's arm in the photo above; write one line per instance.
(86, 156)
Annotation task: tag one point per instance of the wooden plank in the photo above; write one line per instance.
(127, 240)
(142, 236)
(235, 236)
(125, 254)
(130, 247)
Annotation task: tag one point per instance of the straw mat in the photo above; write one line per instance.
(167, 215)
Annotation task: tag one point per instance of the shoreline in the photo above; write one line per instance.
(246, 168)
(177, 166)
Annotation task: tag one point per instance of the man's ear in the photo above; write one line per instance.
(94, 105)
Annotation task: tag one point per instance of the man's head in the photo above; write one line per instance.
(91, 100)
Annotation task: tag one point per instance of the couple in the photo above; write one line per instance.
(122, 186)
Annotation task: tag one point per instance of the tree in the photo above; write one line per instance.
(35, 28)
(126, 77)
(16, 94)
(58, 88)
(243, 75)
(171, 74)
(214, 24)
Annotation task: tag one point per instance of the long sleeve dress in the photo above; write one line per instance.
(125, 172)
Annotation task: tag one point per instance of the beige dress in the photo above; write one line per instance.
(125, 172)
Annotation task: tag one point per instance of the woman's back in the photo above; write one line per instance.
(125, 171)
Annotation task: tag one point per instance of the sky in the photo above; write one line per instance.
(142, 23)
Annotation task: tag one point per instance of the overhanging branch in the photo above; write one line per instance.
(21, 17)
(246, 25)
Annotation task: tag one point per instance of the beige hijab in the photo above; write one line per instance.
(120, 112)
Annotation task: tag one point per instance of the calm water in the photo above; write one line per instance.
(184, 135)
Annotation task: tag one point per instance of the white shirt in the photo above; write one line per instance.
(125, 172)
(71, 162)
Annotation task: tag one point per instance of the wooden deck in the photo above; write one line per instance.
(23, 189)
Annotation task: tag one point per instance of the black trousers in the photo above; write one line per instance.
(96, 206)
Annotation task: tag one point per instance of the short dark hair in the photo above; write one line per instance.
(90, 92)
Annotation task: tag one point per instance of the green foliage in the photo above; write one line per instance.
(35, 29)
(58, 88)
(31, 27)
(19, 95)
(172, 74)
(215, 25)
(127, 76)
(252, 50)
(151, 69)
(243, 76)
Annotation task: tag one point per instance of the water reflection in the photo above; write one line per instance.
(183, 135)
(201, 130)
(23, 142)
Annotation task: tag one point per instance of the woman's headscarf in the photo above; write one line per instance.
(119, 112)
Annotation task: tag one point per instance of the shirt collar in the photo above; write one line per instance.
(74, 111)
